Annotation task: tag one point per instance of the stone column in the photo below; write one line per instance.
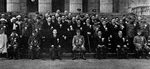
(13, 6)
(45, 5)
(67, 5)
(23, 6)
(74, 5)
(124, 6)
(106, 6)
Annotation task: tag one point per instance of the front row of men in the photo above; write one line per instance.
(78, 43)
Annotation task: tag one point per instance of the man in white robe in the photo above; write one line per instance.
(3, 42)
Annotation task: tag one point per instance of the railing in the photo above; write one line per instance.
(141, 10)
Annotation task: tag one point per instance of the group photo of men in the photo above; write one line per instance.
(25, 36)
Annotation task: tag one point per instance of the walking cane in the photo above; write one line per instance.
(89, 43)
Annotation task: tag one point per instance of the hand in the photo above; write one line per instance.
(110, 36)
(98, 45)
(125, 45)
(25, 27)
(82, 46)
(9, 45)
(4, 26)
(88, 33)
(43, 37)
(52, 46)
(65, 37)
(118, 45)
(59, 46)
(74, 46)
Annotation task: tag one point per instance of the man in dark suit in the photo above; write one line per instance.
(101, 46)
(121, 48)
(55, 48)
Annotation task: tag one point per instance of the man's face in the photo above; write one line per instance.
(33, 34)
(53, 17)
(78, 33)
(104, 22)
(54, 31)
(49, 19)
(113, 20)
(59, 19)
(78, 22)
(38, 20)
(120, 33)
(139, 33)
(88, 21)
(63, 17)
(99, 33)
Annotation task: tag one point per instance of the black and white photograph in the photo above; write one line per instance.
(74, 34)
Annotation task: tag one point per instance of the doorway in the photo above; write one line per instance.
(32, 6)
(58, 4)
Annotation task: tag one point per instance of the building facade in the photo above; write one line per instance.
(75, 6)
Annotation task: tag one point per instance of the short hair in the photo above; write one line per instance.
(77, 31)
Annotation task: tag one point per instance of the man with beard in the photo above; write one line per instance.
(3, 42)
(55, 48)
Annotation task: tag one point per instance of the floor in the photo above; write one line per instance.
(75, 64)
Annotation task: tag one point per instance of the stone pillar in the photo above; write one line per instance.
(74, 5)
(67, 5)
(93, 5)
(106, 6)
(124, 6)
(23, 5)
(45, 5)
(13, 6)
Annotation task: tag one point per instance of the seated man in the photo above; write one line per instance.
(121, 46)
(78, 45)
(55, 49)
(3, 42)
(140, 44)
(13, 46)
(34, 48)
(101, 46)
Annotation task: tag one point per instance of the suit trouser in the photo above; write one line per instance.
(55, 52)
(81, 50)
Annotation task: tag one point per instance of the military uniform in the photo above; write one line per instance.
(13, 49)
(34, 47)
(78, 46)
(140, 44)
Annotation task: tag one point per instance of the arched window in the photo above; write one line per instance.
(58, 4)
